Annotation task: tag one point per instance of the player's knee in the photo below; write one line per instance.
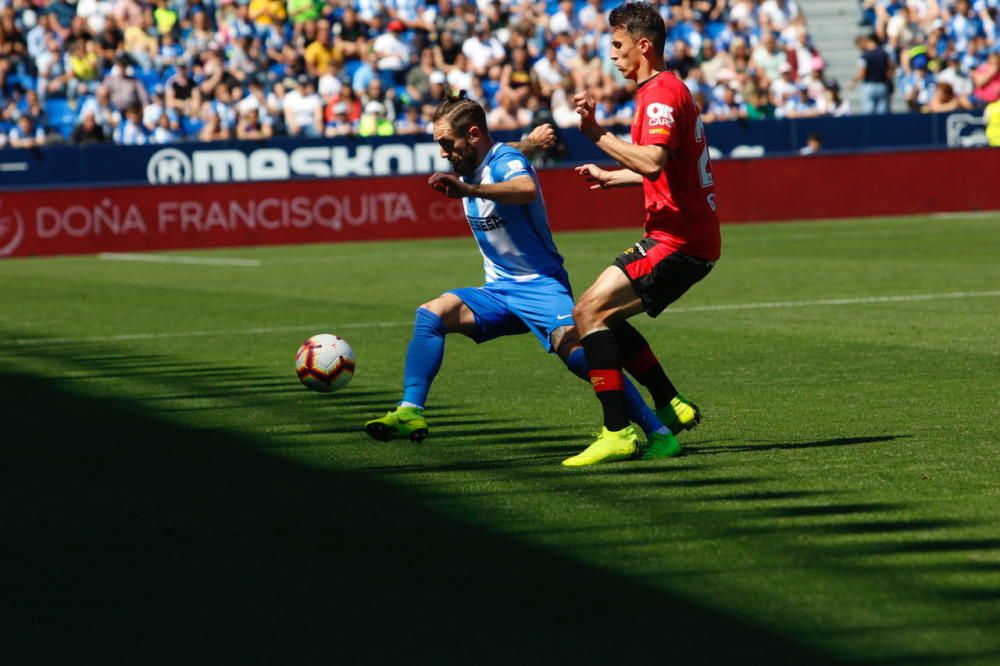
(442, 306)
(446, 308)
(432, 307)
(427, 320)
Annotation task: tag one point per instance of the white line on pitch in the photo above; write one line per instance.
(903, 298)
(973, 214)
(171, 259)
(128, 337)
(313, 328)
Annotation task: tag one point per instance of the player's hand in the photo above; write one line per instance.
(598, 178)
(584, 105)
(543, 136)
(448, 184)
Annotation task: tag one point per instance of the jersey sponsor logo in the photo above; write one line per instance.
(485, 223)
(659, 130)
(659, 114)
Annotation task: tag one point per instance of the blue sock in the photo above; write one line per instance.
(423, 357)
(636, 408)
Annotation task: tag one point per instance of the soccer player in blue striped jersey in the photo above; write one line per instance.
(526, 289)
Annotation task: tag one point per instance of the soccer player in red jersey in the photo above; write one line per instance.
(669, 158)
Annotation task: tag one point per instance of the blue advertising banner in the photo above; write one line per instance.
(282, 159)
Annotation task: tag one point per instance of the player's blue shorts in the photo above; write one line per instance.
(506, 307)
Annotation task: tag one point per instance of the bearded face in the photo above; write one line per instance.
(464, 160)
(459, 150)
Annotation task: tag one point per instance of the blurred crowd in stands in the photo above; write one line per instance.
(162, 71)
(938, 55)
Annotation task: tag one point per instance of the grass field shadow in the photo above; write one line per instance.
(142, 541)
(705, 449)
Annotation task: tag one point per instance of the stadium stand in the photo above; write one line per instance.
(946, 53)
(312, 68)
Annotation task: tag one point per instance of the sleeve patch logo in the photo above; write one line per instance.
(513, 168)
(659, 114)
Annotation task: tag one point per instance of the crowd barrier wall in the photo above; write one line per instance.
(128, 219)
(304, 159)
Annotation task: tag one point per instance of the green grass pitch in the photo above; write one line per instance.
(170, 493)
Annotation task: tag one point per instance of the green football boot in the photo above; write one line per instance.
(660, 446)
(609, 447)
(680, 414)
(401, 422)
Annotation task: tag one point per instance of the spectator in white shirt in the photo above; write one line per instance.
(550, 72)
(95, 12)
(768, 56)
(783, 86)
(255, 100)
(329, 82)
(777, 14)
(564, 20)
(591, 16)
(393, 54)
(485, 52)
(461, 76)
(304, 109)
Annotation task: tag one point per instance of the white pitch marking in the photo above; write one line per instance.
(128, 337)
(973, 214)
(903, 298)
(304, 328)
(170, 259)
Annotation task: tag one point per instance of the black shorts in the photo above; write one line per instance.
(658, 275)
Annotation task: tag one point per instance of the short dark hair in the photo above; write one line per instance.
(640, 19)
(461, 113)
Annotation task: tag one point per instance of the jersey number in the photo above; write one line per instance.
(705, 161)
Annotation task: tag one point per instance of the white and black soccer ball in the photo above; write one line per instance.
(325, 363)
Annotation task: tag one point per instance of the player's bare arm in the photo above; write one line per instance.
(647, 161)
(542, 137)
(604, 179)
(516, 191)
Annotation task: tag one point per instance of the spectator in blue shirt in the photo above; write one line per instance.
(26, 134)
(874, 74)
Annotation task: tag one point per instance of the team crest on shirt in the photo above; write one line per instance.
(660, 114)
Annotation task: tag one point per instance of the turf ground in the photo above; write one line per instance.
(169, 493)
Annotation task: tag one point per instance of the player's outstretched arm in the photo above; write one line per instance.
(647, 161)
(542, 137)
(516, 191)
(602, 179)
